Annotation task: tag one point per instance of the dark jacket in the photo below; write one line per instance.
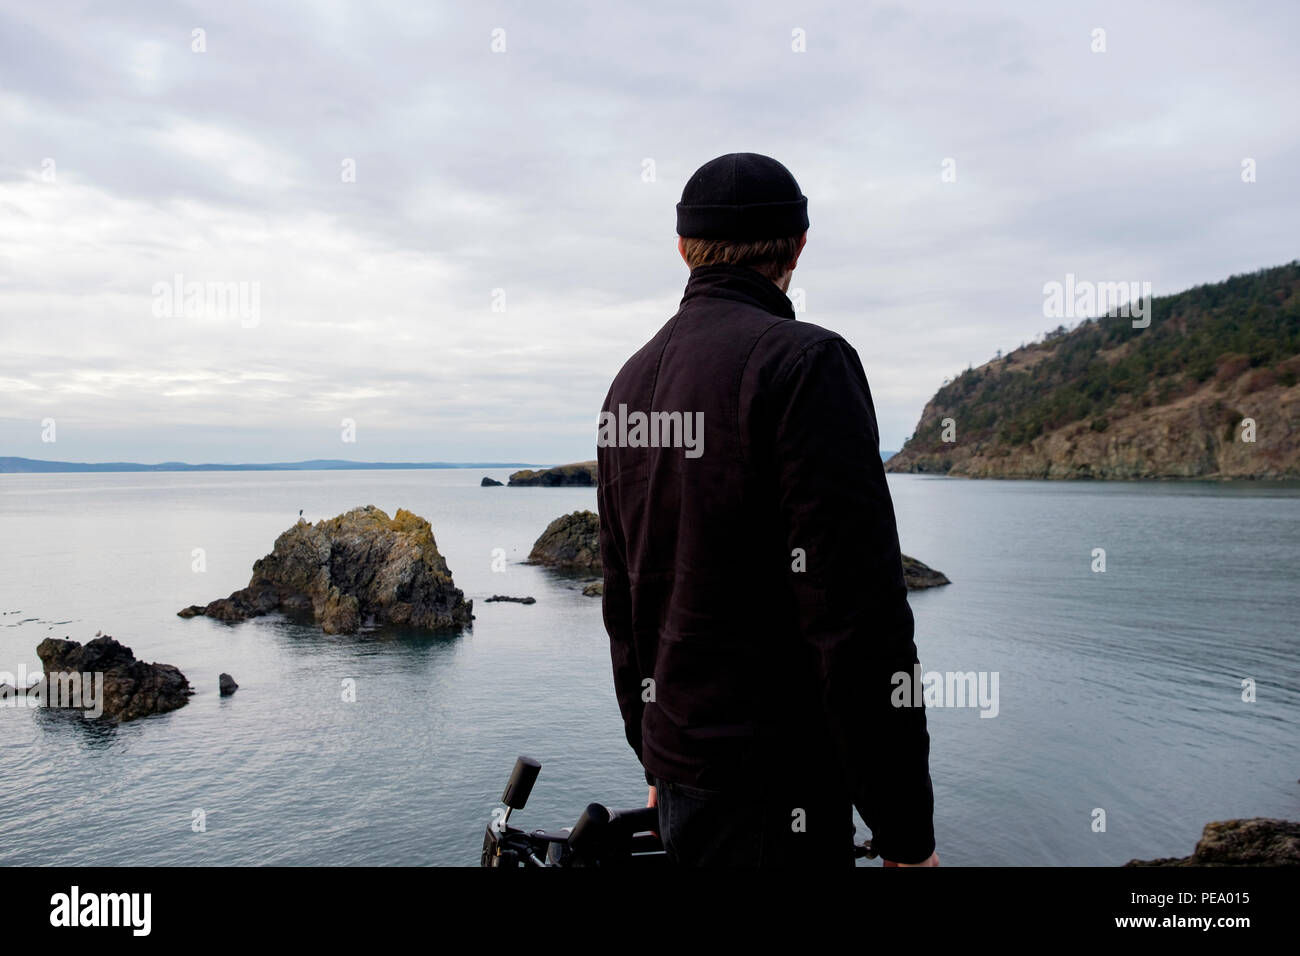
(753, 589)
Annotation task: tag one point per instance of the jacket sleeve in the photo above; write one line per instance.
(853, 608)
(616, 604)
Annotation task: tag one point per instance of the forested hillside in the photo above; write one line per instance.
(1107, 400)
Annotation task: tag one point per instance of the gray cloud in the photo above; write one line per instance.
(521, 171)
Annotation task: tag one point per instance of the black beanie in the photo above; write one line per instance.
(742, 196)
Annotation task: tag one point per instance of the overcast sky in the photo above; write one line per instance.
(128, 157)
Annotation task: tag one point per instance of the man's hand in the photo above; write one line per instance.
(651, 801)
(933, 861)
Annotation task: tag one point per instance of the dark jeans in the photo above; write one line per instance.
(776, 826)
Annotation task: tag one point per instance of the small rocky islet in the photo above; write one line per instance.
(358, 568)
(572, 542)
(581, 474)
(131, 688)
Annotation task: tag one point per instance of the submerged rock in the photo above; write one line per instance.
(594, 589)
(227, 685)
(1258, 841)
(573, 541)
(132, 688)
(357, 568)
(489, 483)
(498, 598)
(582, 474)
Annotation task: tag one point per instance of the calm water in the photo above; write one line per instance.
(1119, 690)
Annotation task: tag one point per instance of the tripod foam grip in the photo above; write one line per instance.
(591, 831)
(637, 821)
(521, 782)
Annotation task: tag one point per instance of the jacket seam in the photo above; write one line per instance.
(654, 379)
(783, 377)
(740, 380)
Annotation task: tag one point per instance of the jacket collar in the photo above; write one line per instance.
(739, 283)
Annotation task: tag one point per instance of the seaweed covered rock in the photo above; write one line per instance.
(361, 567)
(131, 688)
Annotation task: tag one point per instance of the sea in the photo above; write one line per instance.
(1137, 644)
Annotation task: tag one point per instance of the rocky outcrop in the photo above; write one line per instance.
(920, 576)
(1209, 388)
(572, 542)
(1258, 841)
(226, 685)
(581, 474)
(1197, 437)
(489, 483)
(131, 688)
(500, 598)
(358, 568)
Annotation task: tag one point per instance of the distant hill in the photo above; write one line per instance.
(32, 465)
(1107, 400)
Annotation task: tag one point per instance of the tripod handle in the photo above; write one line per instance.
(521, 782)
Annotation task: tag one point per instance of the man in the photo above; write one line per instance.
(753, 589)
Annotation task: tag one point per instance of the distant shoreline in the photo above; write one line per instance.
(34, 466)
(31, 466)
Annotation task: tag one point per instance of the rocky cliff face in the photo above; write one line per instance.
(357, 568)
(1255, 842)
(581, 474)
(1199, 436)
(1209, 390)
